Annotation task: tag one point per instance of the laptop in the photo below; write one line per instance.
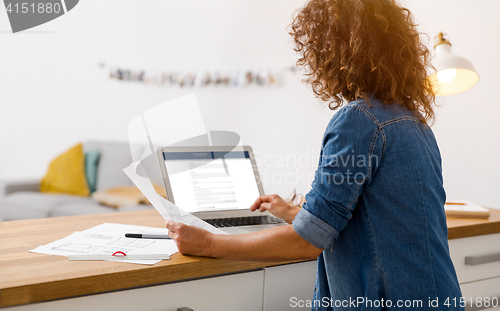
(217, 184)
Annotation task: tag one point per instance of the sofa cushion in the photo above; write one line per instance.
(28, 205)
(115, 156)
(80, 208)
(66, 174)
(13, 211)
(91, 168)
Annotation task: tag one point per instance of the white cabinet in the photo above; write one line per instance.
(485, 294)
(477, 263)
(242, 291)
(293, 281)
(268, 289)
(474, 248)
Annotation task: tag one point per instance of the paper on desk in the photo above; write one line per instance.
(167, 209)
(105, 239)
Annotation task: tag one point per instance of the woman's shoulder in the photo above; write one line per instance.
(352, 119)
(381, 114)
(353, 113)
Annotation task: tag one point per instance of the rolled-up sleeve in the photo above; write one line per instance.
(351, 152)
(314, 230)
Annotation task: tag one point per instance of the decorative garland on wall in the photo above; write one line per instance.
(259, 78)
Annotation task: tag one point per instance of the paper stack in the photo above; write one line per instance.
(465, 209)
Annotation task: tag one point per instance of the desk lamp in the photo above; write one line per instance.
(455, 74)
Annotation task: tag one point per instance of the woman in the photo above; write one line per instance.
(374, 218)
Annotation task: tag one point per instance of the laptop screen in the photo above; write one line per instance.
(211, 181)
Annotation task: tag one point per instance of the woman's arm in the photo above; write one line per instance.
(276, 244)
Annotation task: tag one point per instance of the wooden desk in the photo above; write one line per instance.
(468, 227)
(30, 277)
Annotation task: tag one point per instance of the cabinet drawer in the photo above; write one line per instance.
(482, 254)
(285, 286)
(243, 291)
(485, 292)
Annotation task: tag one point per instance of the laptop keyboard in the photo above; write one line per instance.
(244, 221)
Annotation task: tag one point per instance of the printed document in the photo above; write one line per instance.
(107, 238)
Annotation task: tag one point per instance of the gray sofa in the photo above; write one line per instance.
(22, 200)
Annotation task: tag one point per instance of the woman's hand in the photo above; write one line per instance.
(276, 206)
(190, 240)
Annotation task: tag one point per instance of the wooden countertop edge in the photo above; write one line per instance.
(473, 230)
(468, 227)
(130, 279)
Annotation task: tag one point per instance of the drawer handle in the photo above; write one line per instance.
(481, 259)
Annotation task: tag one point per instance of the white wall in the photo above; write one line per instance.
(53, 94)
(468, 124)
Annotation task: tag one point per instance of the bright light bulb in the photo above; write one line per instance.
(447, 75)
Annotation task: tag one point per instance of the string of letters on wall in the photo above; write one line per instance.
(259, 78)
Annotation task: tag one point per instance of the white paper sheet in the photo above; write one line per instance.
(107, 238)
(144, 184)
(167, 209)
(179, 215)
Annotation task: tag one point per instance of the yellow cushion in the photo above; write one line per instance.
(66, 174)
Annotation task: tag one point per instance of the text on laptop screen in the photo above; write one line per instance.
(204, 181)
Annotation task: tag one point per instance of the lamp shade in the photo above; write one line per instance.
(455, 74)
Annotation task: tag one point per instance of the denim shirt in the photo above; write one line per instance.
(376, 207)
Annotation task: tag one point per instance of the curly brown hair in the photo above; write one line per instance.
(353, 49)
